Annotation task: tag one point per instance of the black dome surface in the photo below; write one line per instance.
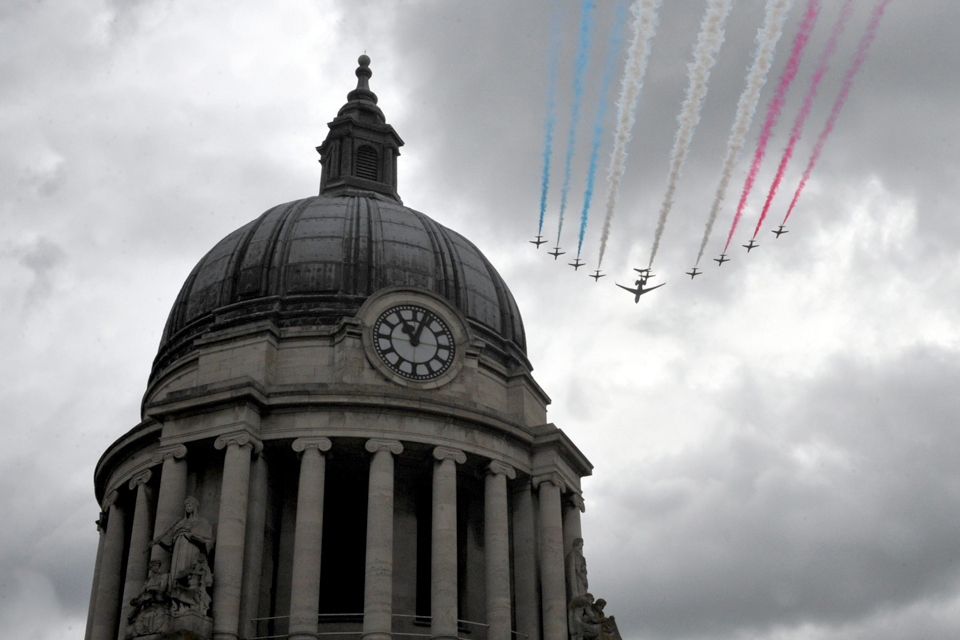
(315, 261)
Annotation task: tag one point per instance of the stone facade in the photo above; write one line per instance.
(289, 480)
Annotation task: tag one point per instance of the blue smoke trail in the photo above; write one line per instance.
(616, 39)
(551, 120)
(586, 26)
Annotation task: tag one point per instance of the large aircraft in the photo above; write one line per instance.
(693, 273)
(576, 264)
(779, 231)
(596, 275)
(639, 291)
(750, 245)
(556, 253)
(539, 241)
(723, 258)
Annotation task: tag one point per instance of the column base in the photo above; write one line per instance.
(443, 638)
(302, 636)
(376, 635)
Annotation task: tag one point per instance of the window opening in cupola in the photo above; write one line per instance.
(367, 163)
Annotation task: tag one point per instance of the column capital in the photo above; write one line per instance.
(393, 446)
(576, 500)
(496, 467)
(553, 478)
(141, 478)
(320, 443)
(109, 501)
(177, 451)
(241, 439)
(446, 453)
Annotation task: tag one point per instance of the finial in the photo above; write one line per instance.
(362, 92)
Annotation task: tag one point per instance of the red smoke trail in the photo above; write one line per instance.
(807, 106)
(862, 48)
(776, 105)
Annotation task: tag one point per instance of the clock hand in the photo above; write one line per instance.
(415, 338)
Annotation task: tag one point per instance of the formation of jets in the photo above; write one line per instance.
(644, 274)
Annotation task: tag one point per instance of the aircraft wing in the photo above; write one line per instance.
(652, 288)
(633, 291)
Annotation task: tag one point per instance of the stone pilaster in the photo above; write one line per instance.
(173, 491)
(308, 538)
(141, 534)
(231, 530)
(253, 554)
(443, 564)
(496, 545)
(526, 594)
(378, 577)
(107, 611)
(553, 588)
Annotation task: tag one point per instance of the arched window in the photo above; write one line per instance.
(368, 163)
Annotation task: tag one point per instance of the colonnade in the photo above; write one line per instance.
(540, 541)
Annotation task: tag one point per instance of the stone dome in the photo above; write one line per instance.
(315, 261)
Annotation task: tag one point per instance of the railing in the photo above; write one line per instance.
(278, 626)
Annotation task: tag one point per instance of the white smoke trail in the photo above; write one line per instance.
(644, 28)
(704, 57)
(767, 37)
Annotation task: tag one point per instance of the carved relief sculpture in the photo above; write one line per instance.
(576, 570)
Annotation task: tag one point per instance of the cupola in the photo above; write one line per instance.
(360, 153)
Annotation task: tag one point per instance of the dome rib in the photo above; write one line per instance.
(313, 262)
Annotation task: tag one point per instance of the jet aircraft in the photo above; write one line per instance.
(556, 253)
(779, 231)
(723, 258)
(576, 264)
(539, 241)
(750, 245)
(596, 275)
(693, 273)
(639, 291)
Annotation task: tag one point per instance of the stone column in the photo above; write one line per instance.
(443, 557)
(525, 563)
(552, 583)
(573, 506)
(378, 577)
(307, 539)
(231, 530)
(101, 524)
(496, 549)
(140, 536)
(173, 491)
(253, 554)
(107, 611)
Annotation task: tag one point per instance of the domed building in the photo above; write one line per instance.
(341, 436)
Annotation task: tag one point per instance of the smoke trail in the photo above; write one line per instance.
(767, 38)
(586, 26)
(616, 37)
(861, 55)
(704, 57)
(822, 67)
(551, 120)
(775, 106)
(644, 28)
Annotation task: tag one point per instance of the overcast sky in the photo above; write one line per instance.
(775, 443)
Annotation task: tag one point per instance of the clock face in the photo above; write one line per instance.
(413, 342)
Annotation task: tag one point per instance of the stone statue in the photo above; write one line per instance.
(608, 626)
(149, 608)
(191, 593)
(576, 570)
(187, 540)
(583, 618)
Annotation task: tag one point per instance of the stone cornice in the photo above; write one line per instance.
(553, 478)
(496, 467)
(375, 445)
(139, 479)
(241, 439)
(176, 451)
(320, 443)
(447, 453)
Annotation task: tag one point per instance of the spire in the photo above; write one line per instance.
(359, 156)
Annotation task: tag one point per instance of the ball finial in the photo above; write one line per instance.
(364, 60)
